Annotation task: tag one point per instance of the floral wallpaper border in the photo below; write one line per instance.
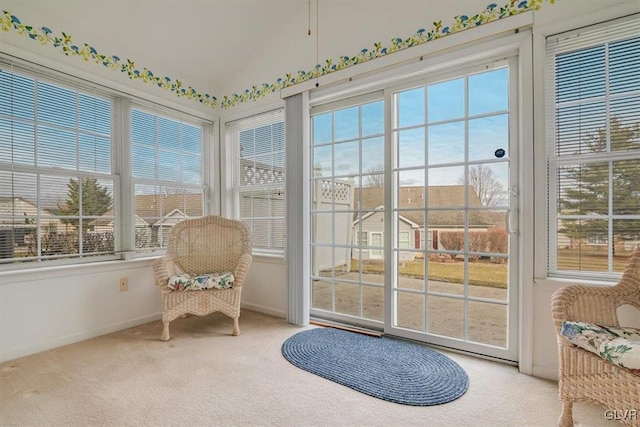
(64, 43)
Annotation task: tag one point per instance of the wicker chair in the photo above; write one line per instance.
(211, 244)
(583, 376)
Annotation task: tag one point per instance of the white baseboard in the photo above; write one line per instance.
(545, 372)
(73, 338)
(262, 309)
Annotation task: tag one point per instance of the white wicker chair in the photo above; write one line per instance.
(583, 376)
(211, 244)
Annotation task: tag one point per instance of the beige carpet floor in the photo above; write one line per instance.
(205, 377)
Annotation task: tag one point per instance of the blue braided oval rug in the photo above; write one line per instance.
(385, 368)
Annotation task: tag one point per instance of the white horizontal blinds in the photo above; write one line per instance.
(57, 189)
(167, 175)
(259, 178)
(593, 120)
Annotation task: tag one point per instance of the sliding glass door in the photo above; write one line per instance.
(413, 225)
(347, 211)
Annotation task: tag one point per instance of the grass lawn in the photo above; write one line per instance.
(481, 273)
(591, 260)
(485, 273)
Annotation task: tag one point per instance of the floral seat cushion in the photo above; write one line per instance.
(185, 282)
(618, 345)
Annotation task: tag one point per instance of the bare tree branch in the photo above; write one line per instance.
(485, 182)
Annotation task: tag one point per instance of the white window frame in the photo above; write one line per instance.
(237, 188)
(163, 184)
(123, 198)
(614, 31)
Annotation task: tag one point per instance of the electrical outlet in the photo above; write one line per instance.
(123, 284)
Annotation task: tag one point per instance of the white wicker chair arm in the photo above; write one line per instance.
(240, 272)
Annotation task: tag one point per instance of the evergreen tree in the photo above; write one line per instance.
(588, 192)
(96, 200)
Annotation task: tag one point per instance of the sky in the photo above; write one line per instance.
(429, 129)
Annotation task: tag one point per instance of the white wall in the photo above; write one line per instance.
(54, 307)
(265, 288)
(564, 16)
(58, 306)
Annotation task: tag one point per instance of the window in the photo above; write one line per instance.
(257, 144)
(403, 239)
(362, 238)
(57, 187)
(166, 157)
(593, 138)
(63, 194)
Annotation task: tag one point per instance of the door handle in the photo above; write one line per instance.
(507, 221)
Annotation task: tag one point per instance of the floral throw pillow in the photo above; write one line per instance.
(185, 282)
(618, 345)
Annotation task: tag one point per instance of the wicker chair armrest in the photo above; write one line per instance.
(240, 272)
(585, 303)
(161, 272)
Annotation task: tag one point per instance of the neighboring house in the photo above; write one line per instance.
(155, 215)
(164, 225)
(18, 223)
(106, 223)
(163, 211)
(372, 234)
(412, 233)
(595, 242)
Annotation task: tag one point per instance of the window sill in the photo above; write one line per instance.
(554, 283)
(53, 272)
(268, 258)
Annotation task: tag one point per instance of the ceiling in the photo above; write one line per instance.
(221, 47)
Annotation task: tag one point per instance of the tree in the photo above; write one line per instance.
(587, 187)
(452, 241)
(96, 200)
(375, 177)
(484, 180)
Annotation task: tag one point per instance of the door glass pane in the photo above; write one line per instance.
(346, 158)
(372, 156)
(322, 128)
(346, 124)
(373, 119)
(410, 310)
(347, 298)
(446, 100)
(446, 316)
(447, 176)
(446, 143)
(487, 135)
(411, 147)
(446, 273)
(489, 91)
(488, 323)
(488, 277)
(488, 184)
(410, 271)
(373, 303)
(321, 295)
(410, 107)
